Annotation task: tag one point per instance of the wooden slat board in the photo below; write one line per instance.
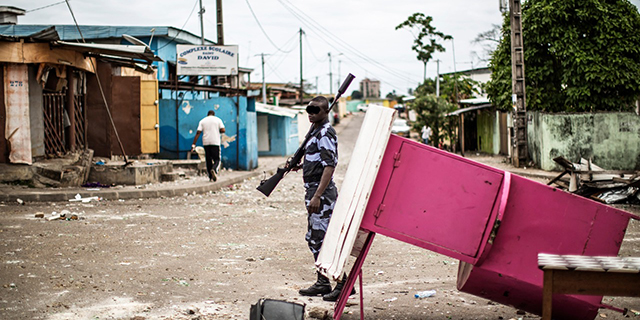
(355, 191)
(588, 263)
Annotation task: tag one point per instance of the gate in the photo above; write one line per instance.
(62, 134)
(54, 123)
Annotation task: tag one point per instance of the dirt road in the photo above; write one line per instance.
(211, 256)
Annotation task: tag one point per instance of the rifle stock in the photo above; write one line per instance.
(267, 186)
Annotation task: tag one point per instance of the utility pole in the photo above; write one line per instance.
(330, 76)
(264, 85)
(301, 100)
(201, 13)
(339, 63)
(455, 73)
(520, 153)
(438, 78)
(317, 92)
(219, 18)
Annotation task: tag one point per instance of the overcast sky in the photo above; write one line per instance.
(359, 34)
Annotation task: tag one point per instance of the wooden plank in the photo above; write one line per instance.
(17, 52)
(596, 283)
(355, 191)
(364, 148)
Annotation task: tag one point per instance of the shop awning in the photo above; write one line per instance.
(276, 111)
(137, 52)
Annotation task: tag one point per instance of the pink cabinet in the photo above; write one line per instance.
(494, 222)
(434, 199)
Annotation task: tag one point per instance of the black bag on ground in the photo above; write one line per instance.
(269, 309)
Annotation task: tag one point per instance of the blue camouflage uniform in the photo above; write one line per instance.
(320, 151)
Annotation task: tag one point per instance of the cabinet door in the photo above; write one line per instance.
(149, 120)
(439, 201)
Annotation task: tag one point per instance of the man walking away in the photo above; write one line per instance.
(211, 128)
(426, 133)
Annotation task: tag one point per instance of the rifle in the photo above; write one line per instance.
(267, 186)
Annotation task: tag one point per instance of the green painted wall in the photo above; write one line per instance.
(610, 140)
(488, 136)
(352, 105)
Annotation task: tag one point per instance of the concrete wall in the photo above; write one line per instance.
(283, 136)
(610, 140)
(239, 143)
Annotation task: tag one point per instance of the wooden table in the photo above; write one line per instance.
(587, 275)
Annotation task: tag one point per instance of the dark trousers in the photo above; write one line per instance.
(212, 158)
(317, 223)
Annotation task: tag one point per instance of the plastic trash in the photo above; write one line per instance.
(425, 294)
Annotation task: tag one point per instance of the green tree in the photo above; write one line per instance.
(425, 43)
(431, 110)
(356, 95)
(466, 87)
(580, 56)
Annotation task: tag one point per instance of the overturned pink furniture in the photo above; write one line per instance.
(494, 222)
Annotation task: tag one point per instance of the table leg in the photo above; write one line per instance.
(351, 280)
(547, 295)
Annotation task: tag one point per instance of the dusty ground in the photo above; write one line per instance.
(210, 257)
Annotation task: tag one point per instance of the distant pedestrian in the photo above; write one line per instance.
(426, 133)
(211, 128)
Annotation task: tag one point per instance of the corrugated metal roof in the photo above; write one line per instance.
(463, 110)
(70, 32)
(274, 110)
(133, 51)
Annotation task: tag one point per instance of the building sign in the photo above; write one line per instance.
(199, 60)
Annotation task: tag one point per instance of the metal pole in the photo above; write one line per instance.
(220, 25)
(201, 24)
(339, 63)
(437, 78)
(264, 86)
(330, 76)
(301, 84)
(455, 73)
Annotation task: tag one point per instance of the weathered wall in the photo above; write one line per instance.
(488, 132)
(239, 143)
(283, 136)
(35, 113)
(610, 140)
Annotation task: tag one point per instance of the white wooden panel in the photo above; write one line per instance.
(355, 191)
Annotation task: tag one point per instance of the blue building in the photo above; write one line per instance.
(277, 130)
(182, 100)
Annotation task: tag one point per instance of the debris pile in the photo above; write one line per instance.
(62, 215)
(591, 181)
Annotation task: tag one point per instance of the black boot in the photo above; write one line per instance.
(335, 294)
(321, 287)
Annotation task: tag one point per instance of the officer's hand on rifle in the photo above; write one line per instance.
(295, 168)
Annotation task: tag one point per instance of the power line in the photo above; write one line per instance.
(181, 28)
(310, 50)
(322, 31)
(260, 25)
(321, 36)
(47, 6)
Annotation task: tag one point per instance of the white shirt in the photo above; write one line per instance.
(426, 132)
(210, 127)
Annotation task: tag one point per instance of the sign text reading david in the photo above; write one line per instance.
(207, 60)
